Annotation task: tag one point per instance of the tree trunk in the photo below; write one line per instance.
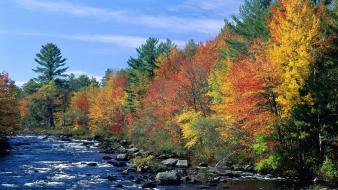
(50, 115)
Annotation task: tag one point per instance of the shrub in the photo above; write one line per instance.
(328, 170)
(143, 161)
(203, 136)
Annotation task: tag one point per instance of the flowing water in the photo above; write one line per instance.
(38, 162)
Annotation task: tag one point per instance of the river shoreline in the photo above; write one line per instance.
(161, 173)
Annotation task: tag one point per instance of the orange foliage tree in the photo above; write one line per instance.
(80, 109)
(105, 105)
(8, 106)
(250, 100)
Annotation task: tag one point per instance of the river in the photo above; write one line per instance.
(39, 162)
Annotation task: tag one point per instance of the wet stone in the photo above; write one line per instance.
(117, 163)
(118, 186)
(203, 164)
(169, 162)
(122, 157)
(182, 163)
(92, 164)
(107, 158)
(112, 178)
(168, 178)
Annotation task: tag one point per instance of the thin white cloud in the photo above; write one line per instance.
(119, 40)
(216, 7)
(78, 73)
(173, 23)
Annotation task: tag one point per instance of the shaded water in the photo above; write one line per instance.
(37, 162)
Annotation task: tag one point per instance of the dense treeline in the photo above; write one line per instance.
(263, 91)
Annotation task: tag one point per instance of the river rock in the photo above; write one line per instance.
(111, 178)
(123, 142)
(132, 150)
(122, 157)
(203, 165)
(143, 152)
(149, 185)
(88, 143)
(107, 158)
(248, 167)
(92, 164)
(169, 162)
(118, 186)
(125, 172)
(186, 179)
(121, 150)
(168, 177)
(182, 163)
(65, 138)
(117, 164)
(22, 143)
(165, 156)
(137, 154)
(142, 169)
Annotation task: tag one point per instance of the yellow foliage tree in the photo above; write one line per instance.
(104, 103)
(186, 121)
(295, 29)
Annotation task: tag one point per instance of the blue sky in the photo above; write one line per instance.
(95, 35)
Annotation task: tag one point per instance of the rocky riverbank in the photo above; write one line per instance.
(168, 171)
(154, 169)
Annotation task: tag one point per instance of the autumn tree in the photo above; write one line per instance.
(106, 105)
(194, 74)
(310, 129)
(80, 108)
(295, 30)
(8, 106)
(250, 100)
(162, 98)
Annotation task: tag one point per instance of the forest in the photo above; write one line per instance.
(264, 92)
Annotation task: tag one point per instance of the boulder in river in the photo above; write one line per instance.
(122, 157)
(168, 177)
(88, 143)
(107, 157)
(111, 178)
(66, 139)
(142, 169)
(169, 162)
(92, 164)
(118, 186)
(22, 143)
